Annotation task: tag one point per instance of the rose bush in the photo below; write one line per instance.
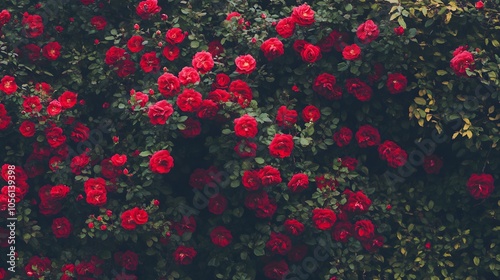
(248, 140)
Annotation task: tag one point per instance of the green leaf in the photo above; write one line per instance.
(259, 160)
(195, 44)
(476, 261)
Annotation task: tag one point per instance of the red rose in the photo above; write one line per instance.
(149, 62)
(265, 209)
(303, 15)
(342, 231)
(68, 99)
(146, 9)
(245, 126)
(432, 164)
(461, 62)
(203, 62)
(392, 153)
(80, 133)
(97, 197)
(294, 227)
(59, 192)
(399, 30)
(188, 224)
(52, 50)
(285, 27)
(78, 163)
(33, 51)
(189, 75)
(298, 183)
(343, 136)
(367, 136)
(99, 22)
(396, 83)
(480, 186)
(272, 48)
(32, 104)
(221, 236)
(134, 44)
(276, 270)
(114, 55)
(352, 52)
(232, 15)
(61, 227)
(251, 180)
(297, 253)
(281, 146)
(217, 204)
(252, 199)
(87, 2)
(171, 52)
(221, 81)
(364, 230)
(184, 255)
(310, 53)
(140, 216)
(54, 108)
(245, 64)
(367, 32)
(128, 259)
(215, 48)
(325, 85)
(323, 219)
(138, 98)
(128, 221)
(286, 118)
(208, 110)
(311, 113)
(479, 5)
(8, 84)
(94, 184)
(27, 128)
(160, 112)
(359, 89)
(192, 128)
(33, 25)
(37, 267)
(246, 149)
(357, 203)
(4, 17)
(125, 68)
(169, 85)
(118, 160)
(269, 176)
(374, 244)
(175, 36)
(161, 162)
(241, 93)
(279, 243)
(189, 100)
(54, 136)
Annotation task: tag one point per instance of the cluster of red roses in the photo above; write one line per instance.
(19, 183)
(37, 267)
(368, 136)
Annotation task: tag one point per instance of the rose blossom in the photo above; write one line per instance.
(325, 85)
(461, 62)
(221, 236)
(8, 85)
(279, 243)
(203, 62)
(364, 230)
(245, 126)
(367, 32)
(184, 255)
(432, 164)
(171, 52)
(160, 112)
(480, 186)
(303, 15)
(276, 270)
(272, 48)
(298, 183)
(286, 118)
(352, 52)
(188, 75)
(281, 146)
(343, 136)
(174, 36)
(245, 64)
(359, 89)
(323, 219)
(294, 227)
(396, 83)
(285, 27)
(161, 162)
(52, 51)
(310, 114)
(134, 44)
(189, 100)
(310, 53)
